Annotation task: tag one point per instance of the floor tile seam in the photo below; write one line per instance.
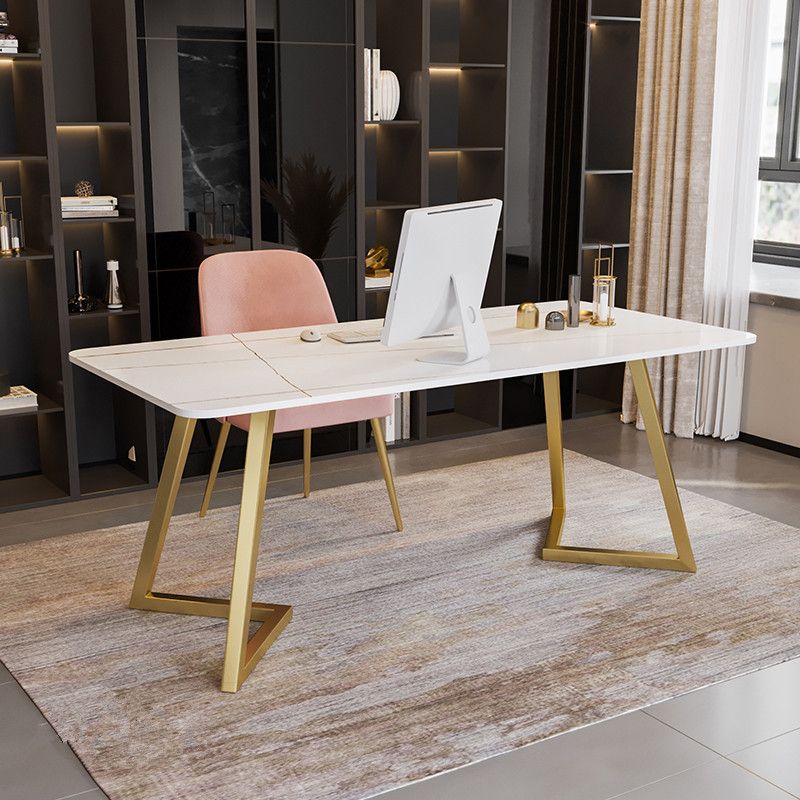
(630, 791)
(759, 776)
(683, 733)
(763, 741)
(730, 759)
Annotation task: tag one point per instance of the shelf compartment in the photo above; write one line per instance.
(613, 71)
(392, 165)
(30, 342)
(467, 109)
(33, 459)
(100, 154)
(456, 177)
(109, 421)
(22, 126)
(396, 28)
(459, 410)
(29, 490)
(90, 60)
(607, 208)
(26, 184)
(470, 31)
(99, 244)
(107, 477)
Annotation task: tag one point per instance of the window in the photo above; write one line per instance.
(778, 225)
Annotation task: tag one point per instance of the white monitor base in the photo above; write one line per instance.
(476, 342)
(453, 357)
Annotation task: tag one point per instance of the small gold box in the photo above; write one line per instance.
(528, 316)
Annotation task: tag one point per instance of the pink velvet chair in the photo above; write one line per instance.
(267, 289)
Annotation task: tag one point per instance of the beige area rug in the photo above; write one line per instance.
(408, 654)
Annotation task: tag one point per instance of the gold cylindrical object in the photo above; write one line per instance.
(528, 316)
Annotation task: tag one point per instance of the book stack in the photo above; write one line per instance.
(89, 207)
(372, 77)
(20, 399)
(8, 43)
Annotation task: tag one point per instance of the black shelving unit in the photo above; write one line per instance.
(448, 145)
(612, 54)
(72, 109)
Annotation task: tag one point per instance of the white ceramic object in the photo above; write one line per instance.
(388, 95)
(218, 376)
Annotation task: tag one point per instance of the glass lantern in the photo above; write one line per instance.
(17, 236)
(605, 284)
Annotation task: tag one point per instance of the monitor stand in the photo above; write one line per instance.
(476, 342)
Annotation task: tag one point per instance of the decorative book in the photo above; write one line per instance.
(86, 207)
(93, 201)
(21, 398)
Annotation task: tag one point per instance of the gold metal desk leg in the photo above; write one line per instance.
(174, 462)
(555, 447)
(240, 610)
(383, 455)
(242, 655)
(306, 462)
(553, 550)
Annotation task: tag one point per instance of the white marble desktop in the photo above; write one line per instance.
(219, 376)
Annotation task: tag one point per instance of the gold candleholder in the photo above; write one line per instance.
(604, 288)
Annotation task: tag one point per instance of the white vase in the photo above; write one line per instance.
(388, 95)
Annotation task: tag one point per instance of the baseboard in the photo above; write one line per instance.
(768, 444)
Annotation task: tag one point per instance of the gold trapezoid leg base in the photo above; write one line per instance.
(241, 653)
(683, 559)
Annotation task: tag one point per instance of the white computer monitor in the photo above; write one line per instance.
(440, 275)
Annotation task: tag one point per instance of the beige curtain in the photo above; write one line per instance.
(670, 188)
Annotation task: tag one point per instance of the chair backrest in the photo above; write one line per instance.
(261, 290)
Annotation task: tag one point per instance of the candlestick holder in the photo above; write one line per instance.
(5, 234)
(604, 287)
(80, 303)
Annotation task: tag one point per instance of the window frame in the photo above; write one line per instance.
(784, 167)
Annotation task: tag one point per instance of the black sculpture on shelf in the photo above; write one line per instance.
(80, 303)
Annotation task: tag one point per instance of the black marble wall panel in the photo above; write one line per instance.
(195, 79)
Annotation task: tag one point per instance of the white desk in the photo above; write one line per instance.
(259, 373)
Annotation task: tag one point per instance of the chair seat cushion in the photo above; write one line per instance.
(319, 416)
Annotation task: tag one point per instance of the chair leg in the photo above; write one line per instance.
(212, 475)
(306, 462)
(380, 444)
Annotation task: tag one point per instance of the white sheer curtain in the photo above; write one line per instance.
(742, 34)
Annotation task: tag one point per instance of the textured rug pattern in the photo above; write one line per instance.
(409, 653)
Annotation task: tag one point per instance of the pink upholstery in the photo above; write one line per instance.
(266, 289)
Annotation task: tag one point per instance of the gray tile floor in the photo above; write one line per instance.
(738, 740)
